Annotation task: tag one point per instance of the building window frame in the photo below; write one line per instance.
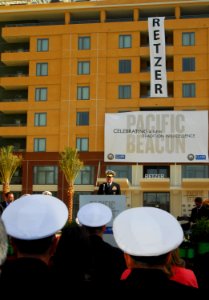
(83, 93)
(39, 144)
(188, 38)
(40, 119)
(45, 175)
(82, 144)
(125, 41)
(41, 94)
(188, 64)
(42, 69)
(156, 172)
(122, 171)
(188, 90)
(157, 199)
(195, 171)
(124, 91)
(83, 67)
(82, 118)
(42, 45)
(85, 176)
(84, 42)
(124, 66)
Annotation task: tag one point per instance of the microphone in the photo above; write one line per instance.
(103, 188)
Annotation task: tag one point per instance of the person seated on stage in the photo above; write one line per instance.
(109, 187)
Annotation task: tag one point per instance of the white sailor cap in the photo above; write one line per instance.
(110, 173)
(34, 217)
(147, 231)
(94, 214)
(47, 193)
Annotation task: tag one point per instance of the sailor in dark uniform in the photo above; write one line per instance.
(109, 187)
(109, 261)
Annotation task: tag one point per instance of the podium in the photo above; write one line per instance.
(117, 203)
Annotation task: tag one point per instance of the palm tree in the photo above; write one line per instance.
(70, 164)
(9, 162)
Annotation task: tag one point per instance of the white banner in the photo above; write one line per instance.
(158, 84)
(157, 136)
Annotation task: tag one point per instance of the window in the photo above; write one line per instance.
(156, 172)
(83, 92)
(41, 69)
(195, 171)
(41, 94)
(82, 144)
(83, 67)
(123, 171)
(40, 119)
(82, 118)
(159, 200)
(188, 90)
(42, 45)
(125, 41)
(188, 38)
(124, 91)
(84, 43)
(85, 176)
(17, 177)
(39, 145)
(45, 175)
(124, 66)
(188, 64)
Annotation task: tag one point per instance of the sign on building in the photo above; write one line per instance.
(156, 136)
(158, 84)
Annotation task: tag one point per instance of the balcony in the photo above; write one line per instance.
(13, 119)
(195, 183)
(155, 184)
(19, 143)
(7, 95)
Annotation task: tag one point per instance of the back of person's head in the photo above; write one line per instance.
(33, 220)
(3, 242)
(73, 248)
(198, 200)
(205, 203)
(94, 216)
(9, 197)
(147, 234)
(174, 260)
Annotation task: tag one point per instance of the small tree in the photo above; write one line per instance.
(70, 164)
(9, 162)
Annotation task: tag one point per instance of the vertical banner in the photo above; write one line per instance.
(157, 57)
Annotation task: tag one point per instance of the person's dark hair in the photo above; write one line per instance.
(198, 199)
(8, 193)
(151, 260)
(73, 255)
(38, 246)
(174, 260)
(93, 230)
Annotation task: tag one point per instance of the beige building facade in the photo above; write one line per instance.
(64, 65)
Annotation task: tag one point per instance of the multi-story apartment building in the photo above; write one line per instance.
(64, 65)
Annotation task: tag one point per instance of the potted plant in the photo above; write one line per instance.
(200, 235)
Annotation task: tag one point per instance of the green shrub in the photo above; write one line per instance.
(200, 231)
